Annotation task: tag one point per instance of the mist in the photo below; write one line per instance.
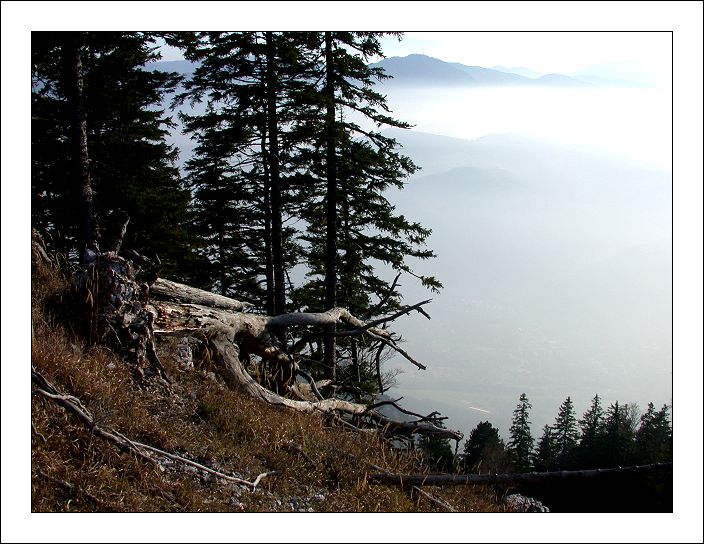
(551, 212)
(552, 224)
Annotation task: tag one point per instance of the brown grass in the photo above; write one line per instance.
(321, 467)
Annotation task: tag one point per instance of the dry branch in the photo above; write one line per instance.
(75, 490)
(435, 500)
(74, 406)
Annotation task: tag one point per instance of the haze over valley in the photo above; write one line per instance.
(550, 204)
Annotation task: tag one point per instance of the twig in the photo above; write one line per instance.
(36, 432)
(123, 443)
(429, 417)
(76, 489)
(435, 500)
(372, 324)
(299, 449)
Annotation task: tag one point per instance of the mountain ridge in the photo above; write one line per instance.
(417, 69)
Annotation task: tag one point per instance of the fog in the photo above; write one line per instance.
(551, 218)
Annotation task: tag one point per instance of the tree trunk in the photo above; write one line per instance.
(74, 84)
(524, 477)
(329, 357)
(268, 259)
(274, 171)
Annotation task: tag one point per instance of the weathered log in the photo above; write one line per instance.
(130, 304)
(228, 333)
(178, 292)
(527, 477)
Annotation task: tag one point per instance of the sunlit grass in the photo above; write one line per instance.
(321, 467)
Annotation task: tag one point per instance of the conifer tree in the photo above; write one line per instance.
(544, 455)
(131, 167)
(485, 451)
(437, 452)
(521, 443)
(617, 439)
(246, 146)
(653, 440)
(592, 427)
(565, 435)
(350, 222)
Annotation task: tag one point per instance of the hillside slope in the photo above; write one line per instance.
(318, 467)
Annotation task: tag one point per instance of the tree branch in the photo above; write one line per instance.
(124, 444)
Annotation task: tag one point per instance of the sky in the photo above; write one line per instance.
(683, 18)
(543, 52)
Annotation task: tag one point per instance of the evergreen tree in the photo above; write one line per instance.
(350, 222)
(131, 168)
(241, 158)
(521, 443)
(437, 452)
(653, 440)
(592, 426)
(544, 456)
(484, 451)
(565, 435)
(617, 439)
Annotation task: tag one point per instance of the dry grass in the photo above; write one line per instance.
(321, 467)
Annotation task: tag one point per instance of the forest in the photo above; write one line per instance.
(272, 266)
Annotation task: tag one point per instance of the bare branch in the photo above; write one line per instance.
(73, 405)
(435, 500)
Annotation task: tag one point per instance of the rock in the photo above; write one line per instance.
(521, 503)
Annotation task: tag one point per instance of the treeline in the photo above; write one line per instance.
(282, 203)
(619, 435)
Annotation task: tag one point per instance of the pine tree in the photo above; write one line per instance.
(544, 455)
(131, 167)
(485, 451)
(350, 222)
(521, 443)
(592, 426)
(617, 439)
(244, 160)
(653, 440)
(565, 435)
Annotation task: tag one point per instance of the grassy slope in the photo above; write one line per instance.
(321, 467)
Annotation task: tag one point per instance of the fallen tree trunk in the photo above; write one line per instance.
(129, 305)
(527, 477)
(230, 334)
(179, 292)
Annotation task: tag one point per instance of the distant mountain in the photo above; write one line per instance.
(633, 73)
(558, 80)
(184, 67)
(518, 70)
(417, 70)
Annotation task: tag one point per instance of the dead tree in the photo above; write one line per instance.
(131, 306)
(508, 478)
